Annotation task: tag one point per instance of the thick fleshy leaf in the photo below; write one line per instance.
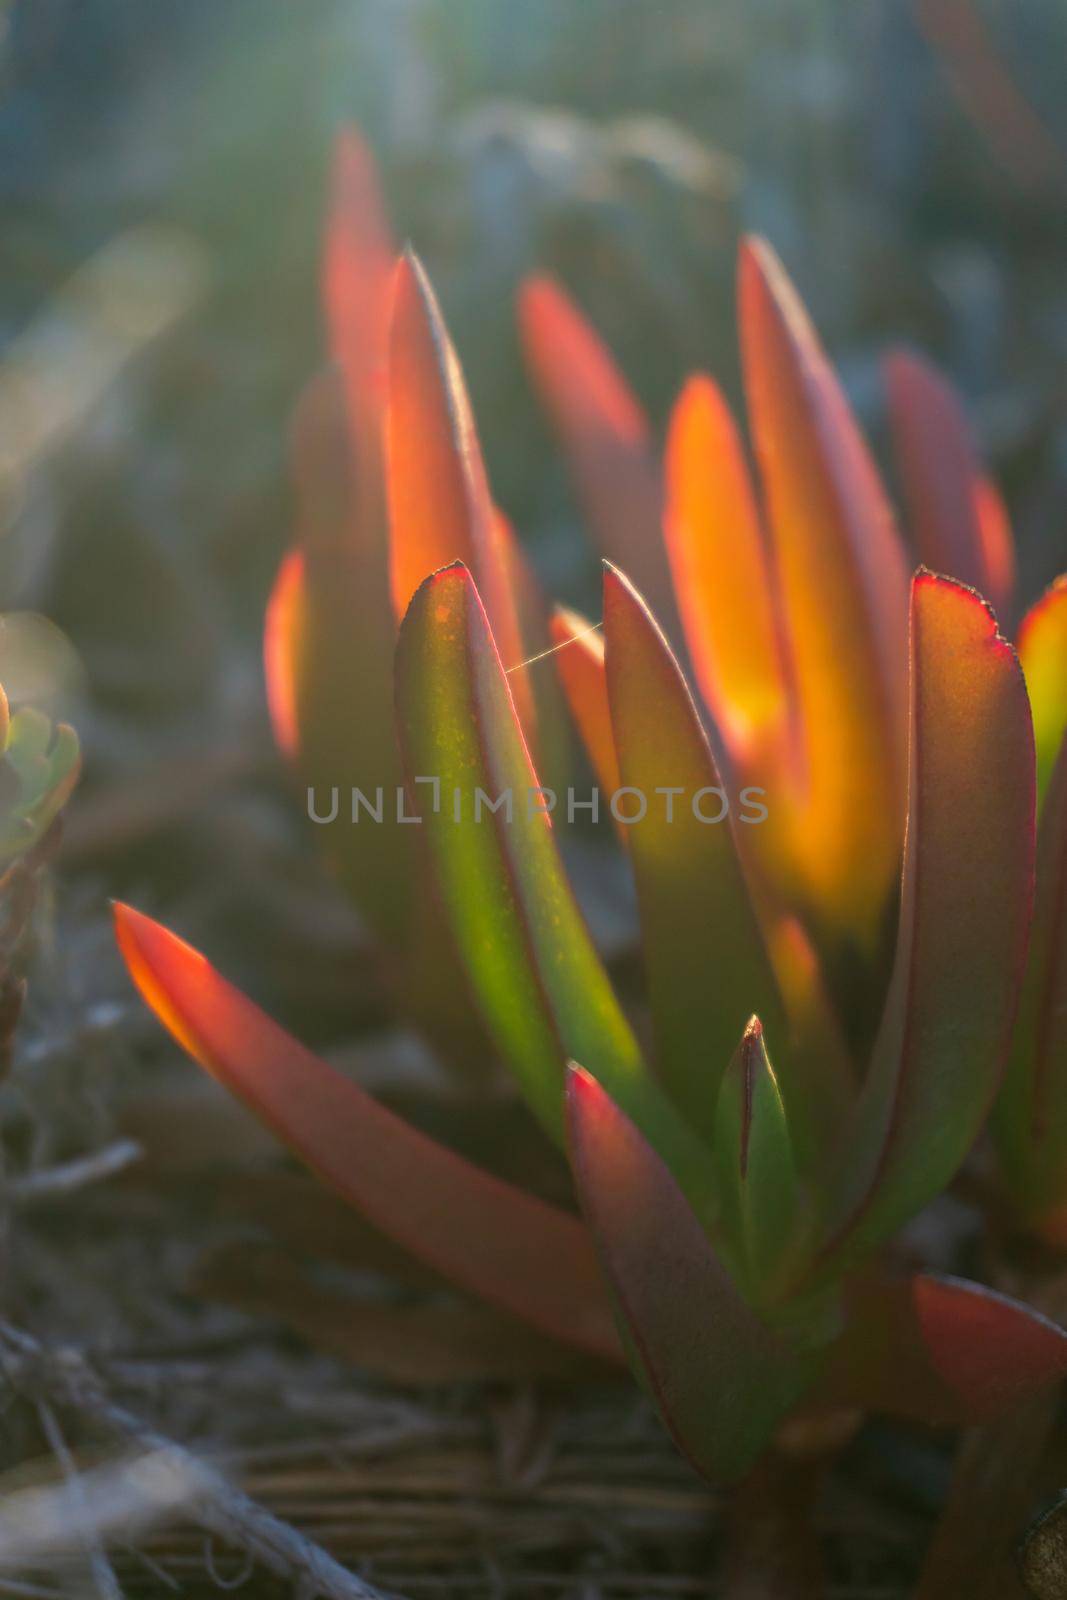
(1031, 1119)
(754, 1165)
(578, 653)
(954, 513)
(705, 955)
(1043, 653)
(988, 1349)
(605, 434)
(726, 590)
(941, 1351)
(357, 266)
(721, 1376)
(497, 1242)
(328, 652)
(440, 509)
(964, 920)
(844, 594)
(531, 963)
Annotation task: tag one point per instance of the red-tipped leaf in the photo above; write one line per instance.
(508, 1247)
(721, 1377)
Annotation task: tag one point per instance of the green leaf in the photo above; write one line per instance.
(964, 921)
(753, 1154)
(707, 963)
(721, 1376)
(1031, 1115)
(532, 965)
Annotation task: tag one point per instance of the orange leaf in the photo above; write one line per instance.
(726, 589)
(579, 660)
(844, 594)
(440, 509)
(605, 434)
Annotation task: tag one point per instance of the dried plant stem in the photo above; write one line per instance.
(59, 1181)
(107, 1585)
(218, 1507)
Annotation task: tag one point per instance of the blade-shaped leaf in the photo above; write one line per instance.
(1043, 653)
(579, 660)
(754, 1164)
(721, 1377)
(1031, 1119)
(964, 919)
(328, 647)
(844, 595)
(605, 434)
(726, 589)
(952, 509)
(707, 963)
(508, 1247)
(532, 965)
(440, 509)
(357, 268)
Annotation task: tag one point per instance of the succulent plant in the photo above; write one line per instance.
(39, 765)
(808, 1095)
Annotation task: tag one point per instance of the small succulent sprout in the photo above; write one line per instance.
(39, 765)
(756, 1177)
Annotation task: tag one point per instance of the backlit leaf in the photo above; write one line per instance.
(440, 509)
(579, 660)
(964, 920)
(844, 595)
(727, 593)
(705, 955)
(508, 1247)
(605, 434)
(542, 989)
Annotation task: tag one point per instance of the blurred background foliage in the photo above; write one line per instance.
(162, 175)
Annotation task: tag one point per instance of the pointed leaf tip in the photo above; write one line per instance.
(512, 1249)
(722, 1378)
(966, 899)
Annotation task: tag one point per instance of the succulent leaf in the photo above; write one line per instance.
(39, 766)
(726, 589)
(754, 1166)
(844, 596)
(515, 1251)
(964, 921)
(1031, 1115)
(605, 434)
(542, 988)
(705, 954)
(579, 661)
(721, 1376)
(440, 509)
(953, 511)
